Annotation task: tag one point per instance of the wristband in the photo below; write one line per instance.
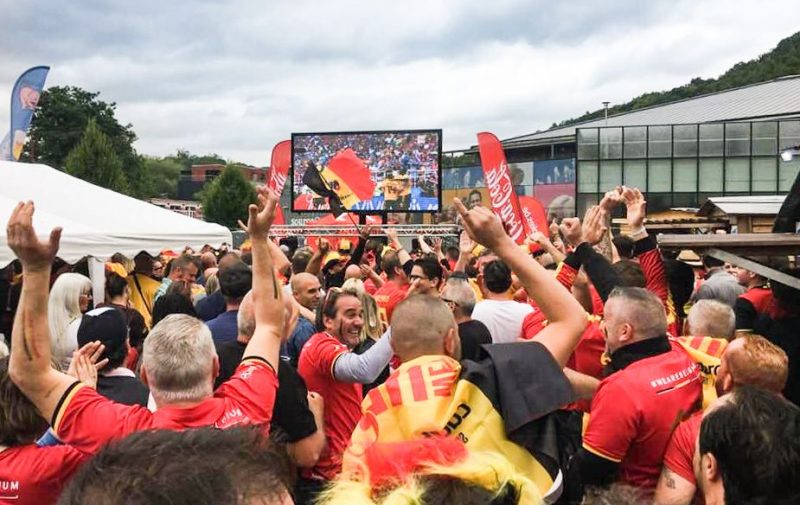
(641, 232)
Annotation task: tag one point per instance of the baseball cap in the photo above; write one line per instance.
(105, 324)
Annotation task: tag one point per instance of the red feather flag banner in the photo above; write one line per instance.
(534, 215)
(498, 181)
(279, 172)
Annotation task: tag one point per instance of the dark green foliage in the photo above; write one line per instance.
(94, 160)
(225, 200)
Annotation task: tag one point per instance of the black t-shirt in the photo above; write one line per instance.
(473, 334)
(292, 420)
(211, 306)
(127, 390)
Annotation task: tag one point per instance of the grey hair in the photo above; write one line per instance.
(178, 358)
(643, 310)
(459, 291)
(711, 318)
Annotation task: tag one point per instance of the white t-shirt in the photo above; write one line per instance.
(503, 318)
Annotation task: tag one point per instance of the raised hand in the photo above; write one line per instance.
(392, 234)
(612, 199)
(537, 237)
(465, 244)
(637, 207)
(261, 214)
(324, 246)
(85, 364)
(594, 228)
(32, 252)
(482, 224)
(437, 245)
(572, 231)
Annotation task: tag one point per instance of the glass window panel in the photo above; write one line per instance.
(657, 202)
(765, 174)
(685, 138)
(635, 174)
(659, 141)
(659, 176)
(587, 143)
(790, 134)
(684, 176)
(737, 139)
(635, 142)
(610, 143)
(711, 175)
(587, 177)
(765, 138)
(610, 175)
(737, 174)
(711, 139)
(788, 173)
(586, 200)
(685, 200)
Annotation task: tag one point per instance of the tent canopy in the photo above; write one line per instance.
(96, 221)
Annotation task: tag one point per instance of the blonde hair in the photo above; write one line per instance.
(372, 322)
(488, 470)
(64, 307)
(212, 284)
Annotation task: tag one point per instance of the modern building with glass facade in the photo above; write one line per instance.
(680, 153)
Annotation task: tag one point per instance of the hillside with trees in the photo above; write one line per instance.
(781, 61)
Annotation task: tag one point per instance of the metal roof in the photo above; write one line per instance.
(777, 98)
(768, 205)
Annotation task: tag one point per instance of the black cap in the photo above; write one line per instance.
(105, 324)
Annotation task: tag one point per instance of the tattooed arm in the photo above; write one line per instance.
(267, 294)
(29, 365)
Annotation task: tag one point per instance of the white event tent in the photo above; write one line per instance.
(96, 222)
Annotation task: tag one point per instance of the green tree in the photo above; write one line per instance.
(161, 175)
(95, 161)
(59, 124)
(225, 200)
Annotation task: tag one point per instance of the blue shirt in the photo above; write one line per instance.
(223, 327)
(301, 334)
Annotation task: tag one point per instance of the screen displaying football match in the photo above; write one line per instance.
(393, 171)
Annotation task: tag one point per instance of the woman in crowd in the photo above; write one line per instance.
(70, 297)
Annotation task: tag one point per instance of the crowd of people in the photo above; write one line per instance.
(579, 367)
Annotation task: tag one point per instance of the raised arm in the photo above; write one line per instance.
(29, 365)
(394, 242)
(465, 247)
(566, 318)
(267, 293)
(315, 263)
(278, 257)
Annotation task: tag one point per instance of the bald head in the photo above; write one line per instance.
(352, 272)
(305, 288)
(246, 318)
(208, 260)
(423, 325)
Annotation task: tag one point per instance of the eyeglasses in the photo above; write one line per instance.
(445, 300)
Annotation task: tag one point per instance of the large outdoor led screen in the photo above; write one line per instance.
(393, 171)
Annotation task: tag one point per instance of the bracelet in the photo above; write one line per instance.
(640, 232)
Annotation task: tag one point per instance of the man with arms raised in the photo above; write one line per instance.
(497, 403)
(178, 364)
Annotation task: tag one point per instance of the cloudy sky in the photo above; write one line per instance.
(234, 77)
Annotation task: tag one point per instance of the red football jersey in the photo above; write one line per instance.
(680, 451)
(342, 401)
(33, 475)
(635, 410)
(760, 297)
(87, 421)
(387, 297)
